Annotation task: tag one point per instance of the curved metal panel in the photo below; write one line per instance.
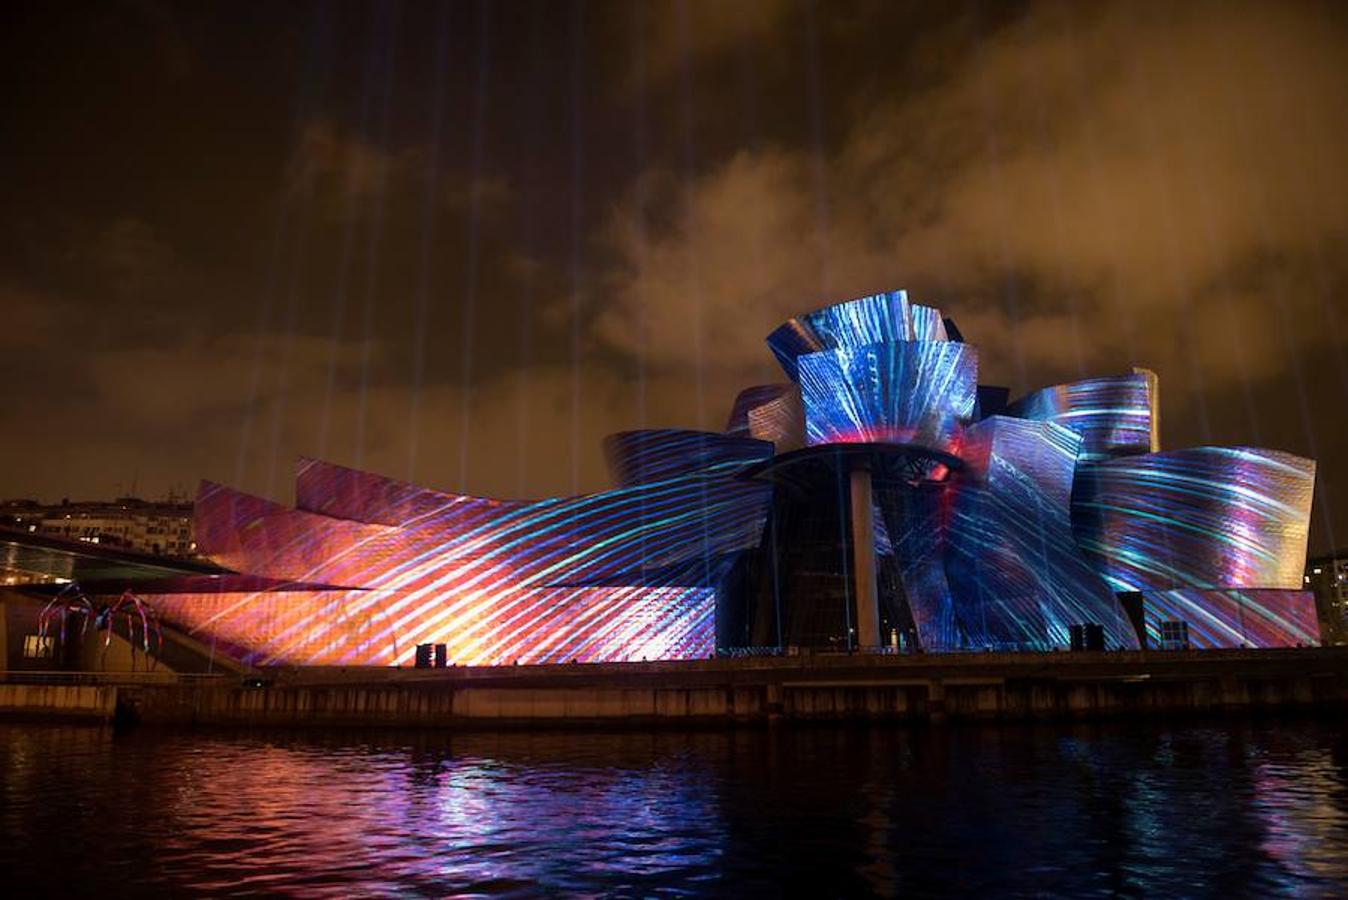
(751, 397)
(1208, 517)
(1018, 578)
(928, 323)
(918, 392)
(618, 575)
(1114, 415)
(258, 537)
(345, 493)
(1233, 619)
(875, 319)
(635, 457)
(915, 522)
(617, 624)
(781, 421)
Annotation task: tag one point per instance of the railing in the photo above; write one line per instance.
(37, 676)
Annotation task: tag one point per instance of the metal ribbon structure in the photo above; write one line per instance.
(988, 531)
(71, 602)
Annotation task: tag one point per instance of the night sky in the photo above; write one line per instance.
(459, 243)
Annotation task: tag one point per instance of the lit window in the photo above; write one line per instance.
(1175, 635)
(39, 646)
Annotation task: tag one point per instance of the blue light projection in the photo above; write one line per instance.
(1206, 517)
(876, 319)
(1019, 578)
(1114, 415)
(915, 392)
(638, 457)
(928, 323)
(916, 522)
(998, 534)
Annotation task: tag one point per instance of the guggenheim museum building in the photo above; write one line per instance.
(878, 499)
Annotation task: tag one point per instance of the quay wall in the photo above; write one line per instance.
(761, 691)
(58, 701)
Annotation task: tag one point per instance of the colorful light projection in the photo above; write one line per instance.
(1019, 579)
(913, 392)
(1045, 521)
(877, 319)
(928, 323)
(916, 522)
(1233, 618)
(638, 457)
(626, 574)
(1026, 525)
(1114, 415)
(1207, 517)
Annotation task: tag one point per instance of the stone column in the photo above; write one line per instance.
(863, 558)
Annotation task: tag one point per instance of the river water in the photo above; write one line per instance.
(1219, 809)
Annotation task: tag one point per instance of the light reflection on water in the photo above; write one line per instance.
(1217, 809)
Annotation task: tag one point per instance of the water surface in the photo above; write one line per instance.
(1214, 809)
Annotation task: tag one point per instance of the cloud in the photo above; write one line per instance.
(206, 377)
(30, 318)
(240, 408)
(131, 258)
(668, 34)
(339, 169)
(1093, 185)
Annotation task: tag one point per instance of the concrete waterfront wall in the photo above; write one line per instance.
(976, 686)
(58, 701)
(764, 691)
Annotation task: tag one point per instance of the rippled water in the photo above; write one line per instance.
(1221, 809)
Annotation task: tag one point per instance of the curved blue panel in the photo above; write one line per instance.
(916, 531)
(876, 319)
(1208, 517)
(1113, 415)
(912, 392)
(1018, 578)
(636, 457)
(928, 323)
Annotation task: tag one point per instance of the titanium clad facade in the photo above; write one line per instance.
(1013, 561)
(1208, 517)
(928, 323)
(1113, 415)
(780, 422)
(750, 398)
(626, 574)
(913, 392)
(988, 531)
(1233, 619)
(877, 319)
